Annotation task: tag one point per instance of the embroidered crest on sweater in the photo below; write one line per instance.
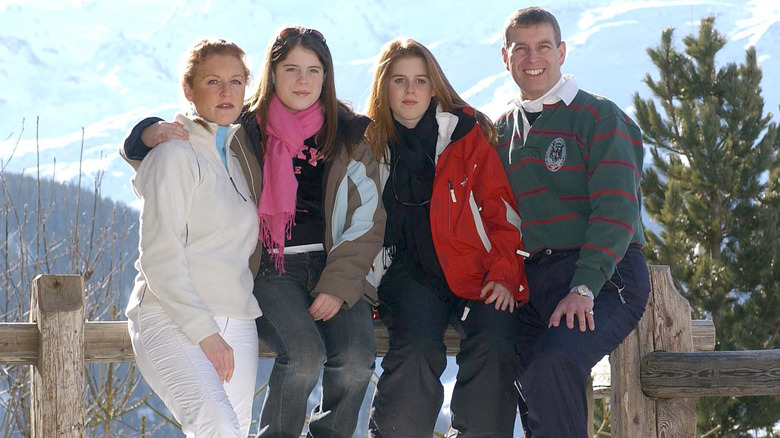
(556, 155)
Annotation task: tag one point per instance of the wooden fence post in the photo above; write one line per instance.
(57, 381)
(665, 326)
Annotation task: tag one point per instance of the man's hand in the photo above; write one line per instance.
(325, 307)
(161, 132)
(220, 354)
(500, 294)
(574, 304)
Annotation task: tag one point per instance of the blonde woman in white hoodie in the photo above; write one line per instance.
(192, 314)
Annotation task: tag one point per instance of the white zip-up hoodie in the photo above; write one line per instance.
(198, 228)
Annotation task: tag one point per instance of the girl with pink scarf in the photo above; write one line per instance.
(322, 224)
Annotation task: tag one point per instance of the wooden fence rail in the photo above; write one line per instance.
(655, 373)
(721, 373)
(109, 341)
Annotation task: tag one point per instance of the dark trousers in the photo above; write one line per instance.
(341, 348)
(556, 361)
(409, 394)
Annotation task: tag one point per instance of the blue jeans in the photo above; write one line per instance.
(409, 392)
(344, 345)
(556, 361)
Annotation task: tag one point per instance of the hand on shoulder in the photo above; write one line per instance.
(162, 131)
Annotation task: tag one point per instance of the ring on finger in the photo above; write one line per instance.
(590, 312)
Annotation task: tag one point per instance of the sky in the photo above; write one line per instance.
(75, 75)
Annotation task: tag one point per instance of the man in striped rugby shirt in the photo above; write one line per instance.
(574, 161)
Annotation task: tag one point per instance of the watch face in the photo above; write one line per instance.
(584, 291)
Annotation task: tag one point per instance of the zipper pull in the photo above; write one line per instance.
(524, 254)
(620, 294)
(452, 192)
(466, 311)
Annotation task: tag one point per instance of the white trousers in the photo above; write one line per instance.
(187, 382)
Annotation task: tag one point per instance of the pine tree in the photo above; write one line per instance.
(713, 189)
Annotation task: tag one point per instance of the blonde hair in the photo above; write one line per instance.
(206, 47)
(378, 110)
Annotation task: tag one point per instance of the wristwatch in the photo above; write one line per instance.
(582, 290)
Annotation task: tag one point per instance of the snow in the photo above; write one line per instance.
(102, 66)
(764, 16)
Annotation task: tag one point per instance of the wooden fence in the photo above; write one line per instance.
(655, 374)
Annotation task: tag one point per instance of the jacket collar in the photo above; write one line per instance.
(199, 134)
(452, 126)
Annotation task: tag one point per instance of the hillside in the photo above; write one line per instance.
(56, 228)
(102, 66)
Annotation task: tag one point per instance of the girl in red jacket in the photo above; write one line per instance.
(452, 253)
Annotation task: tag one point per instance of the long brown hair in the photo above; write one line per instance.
(378, 110)
(288, 39)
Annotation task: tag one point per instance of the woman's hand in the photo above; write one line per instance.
(500, 294)
(325, 307)
(220, 354)
(161, 132)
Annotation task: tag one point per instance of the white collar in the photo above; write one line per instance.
(447, 123)
(198, 131)
(565, 89)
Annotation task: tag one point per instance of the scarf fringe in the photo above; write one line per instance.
(269, 224)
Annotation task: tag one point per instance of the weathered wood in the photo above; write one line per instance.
(108, 341)
(631, 414)
(703, 334)
(672, 317)
(19, 343)
(665, 325)
(720, 373)
(57, 380)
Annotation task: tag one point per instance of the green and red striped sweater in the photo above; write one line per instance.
(576, 181)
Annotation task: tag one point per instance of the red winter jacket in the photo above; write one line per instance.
(474, 220)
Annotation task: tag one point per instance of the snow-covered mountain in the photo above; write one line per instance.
(82, 72)
(101, 66)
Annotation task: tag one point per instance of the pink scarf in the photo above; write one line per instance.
(286, 133)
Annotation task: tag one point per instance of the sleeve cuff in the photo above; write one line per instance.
(134, 148)
(592, 278)
(199, 329)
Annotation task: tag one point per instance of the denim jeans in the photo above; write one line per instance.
(409, 392)
(556, 361)
(342, 348)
